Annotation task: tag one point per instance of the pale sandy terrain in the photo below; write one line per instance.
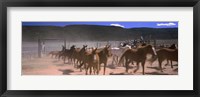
(52, 66)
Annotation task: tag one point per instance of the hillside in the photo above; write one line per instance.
(95, 32)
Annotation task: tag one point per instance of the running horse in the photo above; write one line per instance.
(166, 53)
(67, 53)
(139, 55)
(91, 61)
(78, 55)
(173, 46)
(104, 54)
(54, 53)
(57, 53)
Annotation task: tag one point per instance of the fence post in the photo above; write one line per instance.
(65, 42)
(39, 48)
(155, 42)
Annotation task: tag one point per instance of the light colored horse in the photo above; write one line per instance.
(138, 55)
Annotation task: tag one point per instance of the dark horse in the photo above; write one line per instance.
(138, 55)
(104, 54)
(173, 46)
(67, 53)
(166, 53)
(78, 55)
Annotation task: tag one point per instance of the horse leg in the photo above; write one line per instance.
(98, 69)
(57, 56)
(137, 67)
(74, 61)
(104, 69)
(94, 70)
(64, 59)
(77, 62)
(117, 60)
(81, 64)
(86, 69)
(171, 64)
(113, 60)
(160, 64)
(124, 62)
(143, 67)
(99, 66)
(127, 64)
(90, 70)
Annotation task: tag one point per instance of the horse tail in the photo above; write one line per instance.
(122, 57)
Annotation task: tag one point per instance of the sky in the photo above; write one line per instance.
(171, 24)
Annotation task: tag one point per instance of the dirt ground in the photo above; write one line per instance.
(52, 66)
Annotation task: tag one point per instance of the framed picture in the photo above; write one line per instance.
(91, 48)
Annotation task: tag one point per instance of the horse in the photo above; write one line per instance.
(78, 55)
(53, 53)
(104, 54)
(124, 49)
(166, 53)
(57, 53)
(138, 55)
(67, 53)
(91, 60)
(173, 46)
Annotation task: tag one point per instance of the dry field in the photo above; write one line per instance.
(52, 66)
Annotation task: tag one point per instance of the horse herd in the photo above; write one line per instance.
(92, 58)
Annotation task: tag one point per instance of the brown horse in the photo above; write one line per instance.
(54, 53)
(173, 46)
(57, 53)
(78, 55)
(104, 54)
(67, 53)
(138, 55)
(167, 54)
(91, 61)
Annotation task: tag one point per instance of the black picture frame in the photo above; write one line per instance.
(100, 3)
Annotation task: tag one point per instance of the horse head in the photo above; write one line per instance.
(150, 49)
(108, 45)
(107, 50)
(173, 46)
(84, 46)
(94, 50)
(63, 48)
(72, 47)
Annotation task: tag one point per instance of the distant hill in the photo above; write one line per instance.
(95, 32)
